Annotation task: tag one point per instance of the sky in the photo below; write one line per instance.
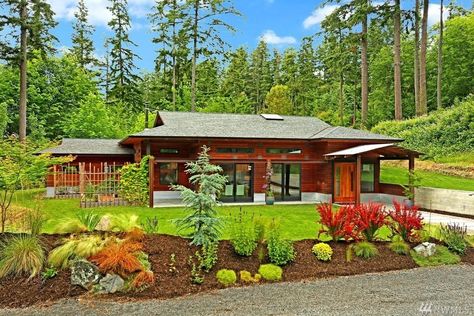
(280, 23)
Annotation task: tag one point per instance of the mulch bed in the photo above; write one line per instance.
(18, 292)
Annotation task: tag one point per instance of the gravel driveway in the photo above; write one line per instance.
(444, 290)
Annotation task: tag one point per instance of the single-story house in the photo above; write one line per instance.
(311, 160)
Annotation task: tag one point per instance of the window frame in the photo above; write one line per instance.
(176, 172)
(284, 151)
(373, 177)
(235, 150)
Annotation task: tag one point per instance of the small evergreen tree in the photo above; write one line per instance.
(208, 182)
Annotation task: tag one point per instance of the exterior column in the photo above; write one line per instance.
(151, 177)
(358, 179)
(411, 169)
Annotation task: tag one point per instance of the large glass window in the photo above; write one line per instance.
(368, 177)
(168, 173)
(236, 150)
(286, 182)
(283, 150)
(239, 186)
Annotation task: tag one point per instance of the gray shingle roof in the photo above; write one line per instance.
(339, 132)
(212, 125)
(89, 147)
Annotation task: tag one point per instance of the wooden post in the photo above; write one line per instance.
(411, 168)
(151, 177)
(358, 179)
(81, 179)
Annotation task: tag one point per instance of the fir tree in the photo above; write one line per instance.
(82, 44)
(25, 28)
(123, 79)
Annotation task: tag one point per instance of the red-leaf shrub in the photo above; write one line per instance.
(405, 220)
(337, 224)
(369, 218)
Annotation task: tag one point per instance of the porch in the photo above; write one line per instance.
(356, 173)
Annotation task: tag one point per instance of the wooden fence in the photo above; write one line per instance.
(96, 184)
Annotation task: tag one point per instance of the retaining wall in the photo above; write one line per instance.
(453, 201)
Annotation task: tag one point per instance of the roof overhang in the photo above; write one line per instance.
(383, 151)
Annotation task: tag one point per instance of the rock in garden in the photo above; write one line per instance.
(104, 223)
(425, 249)
(84, 273)
(111, 283)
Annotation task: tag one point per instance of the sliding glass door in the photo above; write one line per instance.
(239, 187)
(286, 182)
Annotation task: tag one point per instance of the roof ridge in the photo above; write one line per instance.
(323, 130)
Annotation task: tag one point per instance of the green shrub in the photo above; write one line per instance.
(226, 277)
(454, 236)
(134, 182)
(90, 220)
(243, 237)
(208, 256)
(74, 248)
(322, 251)
(21, 255)
(280, 251)
(442, 256)
(441, 133)
(400, 247)
(150, 225)
(270, 272)
(123, 222)
(246, 276)
(70, 226)
(365, 249)
(49, 273)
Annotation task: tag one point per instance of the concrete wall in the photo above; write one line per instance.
(381, 198)
(454, 201)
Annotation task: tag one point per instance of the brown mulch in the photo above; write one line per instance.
(469, 256)
(18, 292)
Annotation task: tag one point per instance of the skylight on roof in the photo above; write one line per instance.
(272, 117)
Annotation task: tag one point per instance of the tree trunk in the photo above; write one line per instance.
(174, 59)
(193, 74)
(23, 69)
(416, 66)
(364, 73)
(341, 98)
(396, 62)
(439, 101)
(424, 40)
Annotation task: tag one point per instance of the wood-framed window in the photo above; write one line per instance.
(235, 150)
(168, 173)
(367, 180)
(291, 151)
(169, 151)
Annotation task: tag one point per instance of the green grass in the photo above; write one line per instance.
(389, 174)
(442, 256)
(460, 159)
(296, 221)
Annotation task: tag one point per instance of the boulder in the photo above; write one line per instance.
(104, 223)
(111, 283)
(425, 249)
(84, 273)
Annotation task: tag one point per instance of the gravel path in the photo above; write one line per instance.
(444, 290)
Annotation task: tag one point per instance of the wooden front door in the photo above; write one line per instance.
(344, 182)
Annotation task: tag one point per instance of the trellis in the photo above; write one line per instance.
(95, 184)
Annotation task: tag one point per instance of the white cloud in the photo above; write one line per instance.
(98, 12)
(318, 15)
(270, 37)
(433, 13)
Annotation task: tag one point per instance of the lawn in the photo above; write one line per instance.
(296, 221)
(389, 174)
